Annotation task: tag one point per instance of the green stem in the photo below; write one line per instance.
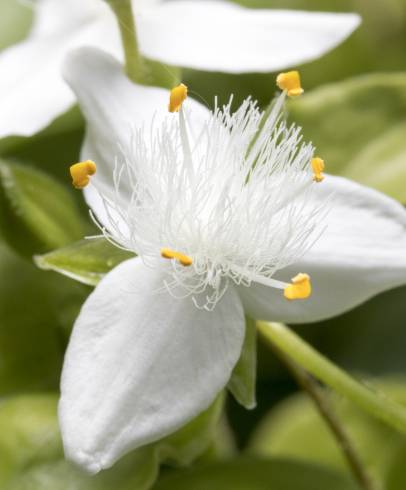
(135, 65)
(321, 368)
(326, 411)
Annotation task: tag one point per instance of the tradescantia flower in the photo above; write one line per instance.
(207, 35)
(223, 209)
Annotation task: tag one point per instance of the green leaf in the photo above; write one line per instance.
(36, 212)
(355, 125)
(135, 473)
(29, 433)
(86, 261)
(382, 163)
(31, 454)
(223, 446)
(185, 445)
(294, 429)
(256, 474)
(34, 308)
(51, 150)
(15, 20)
(243, 379)
(396, 475)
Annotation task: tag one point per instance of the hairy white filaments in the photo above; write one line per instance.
(229, 201)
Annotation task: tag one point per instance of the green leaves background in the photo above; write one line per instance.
(354, 111)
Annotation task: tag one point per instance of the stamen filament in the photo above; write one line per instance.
(266, 281)
(187, 152)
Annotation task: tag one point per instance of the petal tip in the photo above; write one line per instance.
(87, 462)
(354, 21)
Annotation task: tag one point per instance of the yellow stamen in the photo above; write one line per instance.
(318, 166)
(168, 253)
(290, 81)
(80, 173)
(300, 288)
(177, 97)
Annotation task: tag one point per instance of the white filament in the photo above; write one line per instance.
(235, 196)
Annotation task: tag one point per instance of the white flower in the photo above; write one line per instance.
(208, 35)
(221, 226)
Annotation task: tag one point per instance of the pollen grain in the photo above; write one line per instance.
(318, 167)
(81, 172)
(177, 97)
(300, 288)
(183, 259)
(290, 81)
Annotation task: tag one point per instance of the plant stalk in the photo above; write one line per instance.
(370, 400)
(135, 65)
(326, 411)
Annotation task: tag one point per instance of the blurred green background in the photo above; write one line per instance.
(354, 111)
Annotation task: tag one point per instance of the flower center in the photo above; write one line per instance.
(225, 199)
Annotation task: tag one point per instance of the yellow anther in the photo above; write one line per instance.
(290, 81)
(183, 259)
(318, 167)
(80, 173)
(177, 97)
(300, 288)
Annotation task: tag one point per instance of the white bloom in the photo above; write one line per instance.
(208, 35)
(157, 340)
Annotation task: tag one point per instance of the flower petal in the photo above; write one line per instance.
(113, 107)
(362, 253)
(141, 363)
(32, 91)
(221, 36)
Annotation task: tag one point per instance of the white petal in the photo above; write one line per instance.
(52, 16)
(221, 36)
(113, 106)
(362, 253)
(140, 364)
(32, 91)
(142, 5)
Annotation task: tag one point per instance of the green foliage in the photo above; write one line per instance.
(87, 261)
(256, 474)
(53, 149)
(36, 212)
(35, 308)
(15, 20)
(358, 128)
(29, 430)
(396, 475)
(31, 454)
(136, 473)
(294, 429)
(193, 439)
(387, 155)
(243, 379)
